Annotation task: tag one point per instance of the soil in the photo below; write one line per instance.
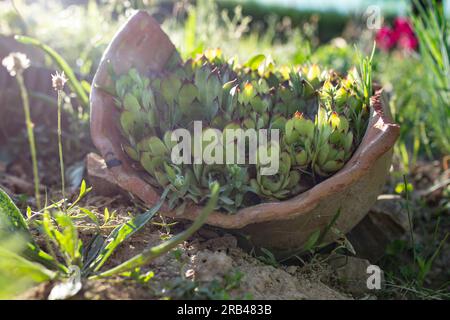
(203, 261)
(211, 266)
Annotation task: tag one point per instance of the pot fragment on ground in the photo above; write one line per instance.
(387, 221)
(100, 178)
(353, 275)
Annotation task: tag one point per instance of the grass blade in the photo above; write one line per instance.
(123, 232)
(92, 251)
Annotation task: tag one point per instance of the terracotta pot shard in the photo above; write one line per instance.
(277, 226)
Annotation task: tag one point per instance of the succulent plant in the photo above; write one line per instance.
(254, 104)
(333, 143)
(280, 185)
(299, 135)
(320, 116)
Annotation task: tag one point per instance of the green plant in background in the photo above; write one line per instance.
(409, 277)
(338, 55)
(75, 111)
(80, 31)
(206, 25)
(416, 82)
(16, 63)
(406, 98)
(432, 29)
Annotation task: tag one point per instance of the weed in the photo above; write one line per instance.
(407, 276)
(16, 63)
(63, 242)
(432, 30)
(58, 81)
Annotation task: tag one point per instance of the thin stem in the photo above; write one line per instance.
(49, 247)
(30, 125)
(411, 227)
(61, 158)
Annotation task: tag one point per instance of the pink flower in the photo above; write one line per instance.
(403, 27)
(408, 42)
(386, 38)
(401, 35)
(406, 39)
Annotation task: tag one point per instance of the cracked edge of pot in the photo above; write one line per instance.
(130, 47)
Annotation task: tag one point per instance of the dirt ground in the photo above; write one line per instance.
(212, 266)
(208, 266)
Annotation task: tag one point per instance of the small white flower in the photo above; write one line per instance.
(59, 80)
(16, 62)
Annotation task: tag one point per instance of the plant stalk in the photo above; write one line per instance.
(61, 157)
(31, 140)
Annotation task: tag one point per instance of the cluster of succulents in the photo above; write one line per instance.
(320, 114)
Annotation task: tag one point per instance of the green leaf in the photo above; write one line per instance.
(269, 258)
(329, 226)
(17, 266)
(74, 84)
(83, 191)
(131, 103)
(146, 277)
(11, 219)
(86, 86)
(312, 240)
(255, 62)
(17, 273)
(401, 188)
(190, 31)
(29, 213)
(64, 234)
(91, 215)
(13, 223)
(91, 251)
(106, 216)
(157, 147)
